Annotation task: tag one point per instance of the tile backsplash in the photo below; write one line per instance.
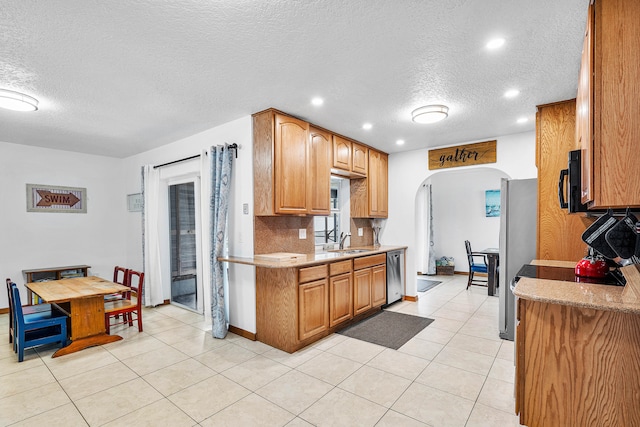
(281, 234)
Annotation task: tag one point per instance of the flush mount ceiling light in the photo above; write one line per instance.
(17, 101)
(430, 113)
(400, 142)
(495, 43)
(512, 93)
(317, 101)
(367, 126)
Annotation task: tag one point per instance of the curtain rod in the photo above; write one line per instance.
(231, 146)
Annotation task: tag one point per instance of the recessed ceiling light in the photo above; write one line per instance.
(367, 126)
(523, 120)
(512, 93)
(317, 101)
(400, 142)
(17, 101)
(495, 43)
(430, 113)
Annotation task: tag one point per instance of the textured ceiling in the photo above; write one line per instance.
(118, 78)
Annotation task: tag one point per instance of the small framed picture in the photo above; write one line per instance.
(54, 198)
(492, 203)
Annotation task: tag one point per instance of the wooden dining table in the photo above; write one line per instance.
(82, 298)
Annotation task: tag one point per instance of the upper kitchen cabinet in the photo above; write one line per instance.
(607, 125)
(369, 196)
(555, 137)
(291, 166)
(350, 159)
(319, 173)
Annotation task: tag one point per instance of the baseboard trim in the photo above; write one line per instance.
(410, 298)
(245, 334)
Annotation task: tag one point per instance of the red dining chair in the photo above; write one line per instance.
(120, 276)
(31, 331)
(28, 311)
(129, 306)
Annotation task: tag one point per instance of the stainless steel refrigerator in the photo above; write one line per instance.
(518, 224)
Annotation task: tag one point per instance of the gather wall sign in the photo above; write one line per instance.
(463, 155)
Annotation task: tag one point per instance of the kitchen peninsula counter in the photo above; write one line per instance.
(578, 352)
(313, 259)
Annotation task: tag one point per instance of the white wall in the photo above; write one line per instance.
(31, 240)
(241, 277)
(459, 212)
(407, 171)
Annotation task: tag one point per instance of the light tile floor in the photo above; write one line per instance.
(456, 372)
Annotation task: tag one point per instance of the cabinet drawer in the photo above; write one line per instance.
(339, 267)
(368, 261)
(312, 273)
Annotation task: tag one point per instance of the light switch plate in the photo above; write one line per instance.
(360, 232)
(302, 233)
(245, 208)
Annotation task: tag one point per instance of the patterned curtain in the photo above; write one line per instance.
(221, 166)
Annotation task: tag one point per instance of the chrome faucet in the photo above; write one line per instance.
(343, 237)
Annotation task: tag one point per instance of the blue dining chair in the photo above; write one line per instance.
(476, 267)
(32, 332)
(32, 311)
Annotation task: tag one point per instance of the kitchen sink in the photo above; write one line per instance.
(351, 251)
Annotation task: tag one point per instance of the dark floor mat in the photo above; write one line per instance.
(387, 328)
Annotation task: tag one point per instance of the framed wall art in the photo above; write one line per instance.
(54, 198)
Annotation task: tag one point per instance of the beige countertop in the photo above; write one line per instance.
(585, 295)
(312, 259)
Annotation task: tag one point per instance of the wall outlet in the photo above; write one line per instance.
(360, 232)
(245, 208)
(302, 233)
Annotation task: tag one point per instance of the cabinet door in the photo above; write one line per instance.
(359, 158)
(555, 133)
(377, 184)
(378, 285)
(341, 153)
(341, 299)
(584, 111)
(290, 165)
(313, 308)
(361, 291)
(319, 174)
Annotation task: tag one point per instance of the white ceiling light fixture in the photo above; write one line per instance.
(317, 101)
(367, 126)
(511, 93)
(430, 113)
(17, 101)
(494, 44)
(523, 120)
(400, 142)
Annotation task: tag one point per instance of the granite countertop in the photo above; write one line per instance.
(585, 295)
(312, 259)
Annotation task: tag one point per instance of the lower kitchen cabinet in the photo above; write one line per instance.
(313, 308)
(361, 291)
(378, 285)
(576, 366)
(341, 299)
(297, 306)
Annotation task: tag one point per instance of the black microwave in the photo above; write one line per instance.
(571, 185)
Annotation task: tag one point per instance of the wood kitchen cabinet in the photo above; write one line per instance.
(319, 172)
(576, 366)
(607, 128)
(313, 308)
(369, 282)
(297, 306)
(340, 292)
(555, 137)
(292, 170)
(369, 196)
(350, 159)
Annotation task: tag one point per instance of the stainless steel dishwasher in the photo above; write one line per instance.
(395, 275)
